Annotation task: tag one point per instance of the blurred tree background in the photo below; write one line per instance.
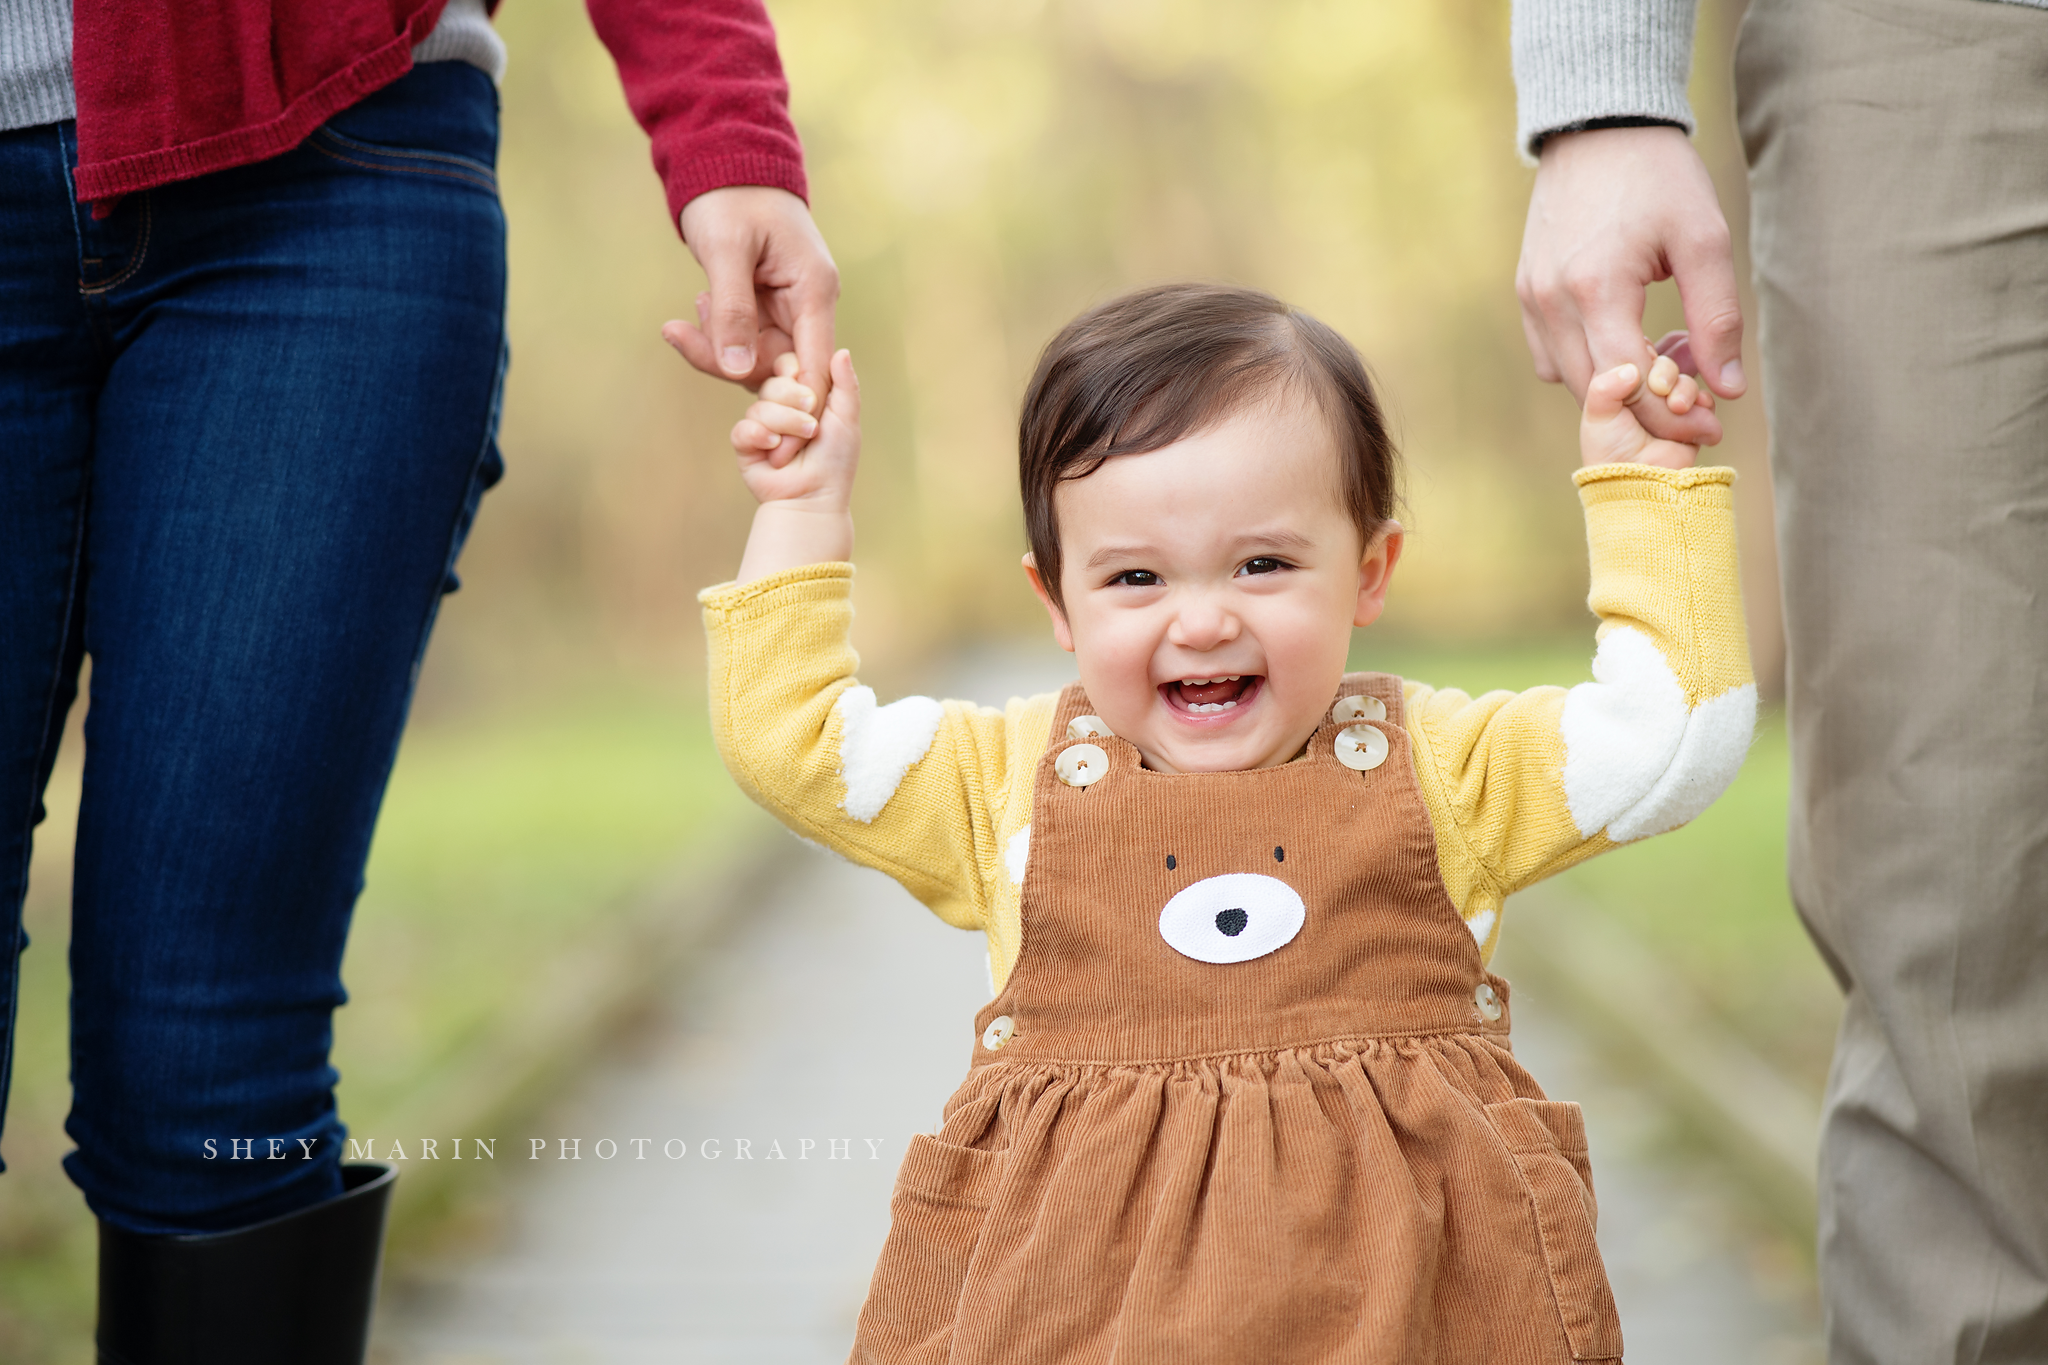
(983, 169)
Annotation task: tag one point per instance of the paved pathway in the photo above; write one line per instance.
(836, 1013)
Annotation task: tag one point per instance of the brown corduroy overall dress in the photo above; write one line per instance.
(1246, 1097)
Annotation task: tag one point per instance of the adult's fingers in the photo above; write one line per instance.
(1539, 347)
(691, 343)
(1618, 332)
(696, 347)
(1696, 427)
(811, 333)
(1610, 305)
(1609, 210)
(1703, 266)
(729, 263)
(1584, 319)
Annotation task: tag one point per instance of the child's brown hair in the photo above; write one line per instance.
(1155, 366)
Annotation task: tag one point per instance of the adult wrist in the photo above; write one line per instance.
(1596, 125)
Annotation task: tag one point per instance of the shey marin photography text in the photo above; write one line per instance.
(551, 1149)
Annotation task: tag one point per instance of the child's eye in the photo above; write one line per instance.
(1263, 564)
(1137, 578)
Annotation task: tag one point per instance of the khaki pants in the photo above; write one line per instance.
(1898, 153)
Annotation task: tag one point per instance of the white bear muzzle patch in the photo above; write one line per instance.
(1232, 918)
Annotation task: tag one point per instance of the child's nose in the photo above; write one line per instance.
(1203, 623)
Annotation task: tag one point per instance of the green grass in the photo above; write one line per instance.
(1711, 897)
(504, 841)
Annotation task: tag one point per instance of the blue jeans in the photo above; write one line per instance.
(245, 422)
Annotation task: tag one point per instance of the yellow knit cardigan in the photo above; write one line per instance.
(1519, 785)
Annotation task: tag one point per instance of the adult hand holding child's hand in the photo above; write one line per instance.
(1613, 211)
(804, 489)
(1608, 430)
(771, 288)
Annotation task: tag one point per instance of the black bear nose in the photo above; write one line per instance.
(1231, 923)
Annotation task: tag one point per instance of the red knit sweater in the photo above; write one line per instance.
(168, 92)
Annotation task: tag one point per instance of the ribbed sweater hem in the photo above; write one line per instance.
(145, 170)
(1578, 60)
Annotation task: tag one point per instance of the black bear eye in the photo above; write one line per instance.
(1170, 863)
(1279, 854)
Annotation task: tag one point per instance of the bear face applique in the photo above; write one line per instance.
(1232, 916)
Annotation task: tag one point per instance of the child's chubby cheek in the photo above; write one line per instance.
(1238, 706)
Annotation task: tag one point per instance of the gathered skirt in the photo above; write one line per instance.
(1369, 1201)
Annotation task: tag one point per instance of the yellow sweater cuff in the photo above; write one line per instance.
(727, 600)
(1670, 478)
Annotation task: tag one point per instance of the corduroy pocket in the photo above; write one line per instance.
(1548, 1140)
(935, 1217)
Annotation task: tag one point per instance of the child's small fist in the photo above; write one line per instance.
(1609, 432)
(1680, 392)
(786, 454)
(783, 410)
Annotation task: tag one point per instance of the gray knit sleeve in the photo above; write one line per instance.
(1581, 60)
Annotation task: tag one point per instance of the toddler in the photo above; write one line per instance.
(1244, 1093)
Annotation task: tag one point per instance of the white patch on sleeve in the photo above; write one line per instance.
(1621, 730)
(1017, 854)
(1481, 925)
(1636, 761)
(878, 745)
(989, 961)
(1717, 736)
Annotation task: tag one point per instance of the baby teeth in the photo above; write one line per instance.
(1204, 682)
(1210, 705)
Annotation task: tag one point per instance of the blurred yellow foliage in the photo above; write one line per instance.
(984, 170)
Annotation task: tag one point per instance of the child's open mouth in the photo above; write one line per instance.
(1211, 696)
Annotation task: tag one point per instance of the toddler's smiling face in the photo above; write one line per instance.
(1210, 587)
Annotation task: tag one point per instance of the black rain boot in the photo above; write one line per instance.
(295, 1290)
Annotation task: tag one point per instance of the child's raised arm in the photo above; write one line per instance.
(1524, 784)
(804, 516)
(920, 789)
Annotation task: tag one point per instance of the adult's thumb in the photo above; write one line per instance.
(1705, 274)
(733, 323)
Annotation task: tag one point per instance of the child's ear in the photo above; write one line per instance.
(1376, 570)
(1060, 630)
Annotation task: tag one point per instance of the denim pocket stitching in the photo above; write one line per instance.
(134, 264)
(464, 169)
